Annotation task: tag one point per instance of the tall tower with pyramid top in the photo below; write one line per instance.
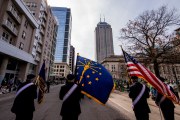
(104, 41)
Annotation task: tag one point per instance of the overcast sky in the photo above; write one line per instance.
(86, 15)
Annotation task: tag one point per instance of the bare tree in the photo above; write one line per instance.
(148, 34)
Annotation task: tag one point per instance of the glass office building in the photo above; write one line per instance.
(64, 18)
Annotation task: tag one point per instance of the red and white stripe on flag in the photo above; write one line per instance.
(134, 68)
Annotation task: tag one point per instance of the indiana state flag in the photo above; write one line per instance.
(40, 82)
(95, 81)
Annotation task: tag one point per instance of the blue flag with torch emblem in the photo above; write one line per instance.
(95, 81)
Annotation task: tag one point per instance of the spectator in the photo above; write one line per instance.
(175, 88)
(48, 85)
(10, 83)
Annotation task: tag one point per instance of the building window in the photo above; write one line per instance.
(24, 35)
(28, 4)
(46, 43)
(33, 5)
(26, 24)
(165, 70)
(33, 12)
(66, 34)
(21, 46)
(5, 36)
(114, 76)
(11, 41)
(9, 21)
(45, 51)
(122, 67)
(113, 68)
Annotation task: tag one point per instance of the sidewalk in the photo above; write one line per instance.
(150, 102)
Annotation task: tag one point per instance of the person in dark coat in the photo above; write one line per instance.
(23, 105)
(48, 85)
(166, 105)
(141, 108)
(70, 109)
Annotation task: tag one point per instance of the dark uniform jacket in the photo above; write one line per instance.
(71, 105)
(142, 105)
(167, 103)
(24, 102)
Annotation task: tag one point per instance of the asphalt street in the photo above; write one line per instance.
(50, 108)
(118, 107)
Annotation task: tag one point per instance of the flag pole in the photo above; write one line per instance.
(70, 91)
(129, 81)
(75, 72)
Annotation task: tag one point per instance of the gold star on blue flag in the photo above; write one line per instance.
(93, 78)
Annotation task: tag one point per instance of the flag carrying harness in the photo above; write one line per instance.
(139, 96)
(70, 92)
(23, 88)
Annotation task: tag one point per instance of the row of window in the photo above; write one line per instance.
(58, 70)
(58, 66)
(5, 36)
(31, 4)
(11, 24)
(15, 12)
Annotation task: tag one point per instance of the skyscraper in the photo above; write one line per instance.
(71, 60)
(104, 41)
(45, 35)
(62, 52)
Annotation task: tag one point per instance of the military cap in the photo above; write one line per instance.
(31, 76)
(70, 77)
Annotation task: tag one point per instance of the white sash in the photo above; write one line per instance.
(139, 96)
(23, 88)
(70, 92)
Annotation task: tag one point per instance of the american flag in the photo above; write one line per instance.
(134, 68)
